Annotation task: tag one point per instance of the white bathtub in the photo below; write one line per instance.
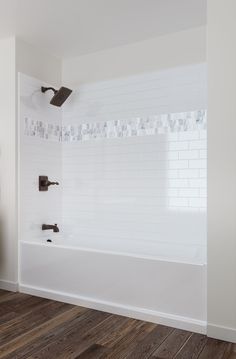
(166, 284)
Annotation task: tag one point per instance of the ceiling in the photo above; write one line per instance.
(70, 28)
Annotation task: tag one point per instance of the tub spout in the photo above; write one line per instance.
(54, 227)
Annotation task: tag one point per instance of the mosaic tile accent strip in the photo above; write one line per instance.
(153, 125)
(42, 130)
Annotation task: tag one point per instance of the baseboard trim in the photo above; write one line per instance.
(8, 285)
(223, 333)
(171, 320)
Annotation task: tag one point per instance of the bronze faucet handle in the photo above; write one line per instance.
(49, 183)
(44, 183)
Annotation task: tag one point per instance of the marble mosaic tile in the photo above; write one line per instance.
(42, 130)
(153, 125)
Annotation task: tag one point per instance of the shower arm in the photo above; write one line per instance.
(45, 89)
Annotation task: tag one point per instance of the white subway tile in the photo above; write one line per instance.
(172, 136)
(203, 134)
(188, 135)
(175, 146)
(188, 155)
(203, 192)
(197, 183)
(203, 154)
(172, 155)
(178, 183)
(197, 164)
(197, 202)
(198, 145)
(189, 173)
(202, 173)
(189, 192)
(172, 173)
(178, 202)
(172, 192)
(178, 164)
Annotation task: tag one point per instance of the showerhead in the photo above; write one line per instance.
(60, 96)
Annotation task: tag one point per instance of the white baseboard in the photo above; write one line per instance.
(8, 285)
(171, 320)
(223, 333)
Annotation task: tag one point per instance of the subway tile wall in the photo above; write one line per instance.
(130, 191)
(133, 192)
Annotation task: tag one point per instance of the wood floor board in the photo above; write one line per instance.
(193, 347)
(29, 341)
(68, 341)
(110, 331)
(81, 342)
(4, 293)
(5, 318)
(95, 351)
(215, 349)
(30, 320)
(37, 328)
(229, 352)
(20, 304)
(128, 343)
(117, 332)
(153, 340)
(172, 344)
(106, 332)
(38, 340)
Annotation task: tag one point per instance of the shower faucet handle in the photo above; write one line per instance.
(49, 183)
(44, 183)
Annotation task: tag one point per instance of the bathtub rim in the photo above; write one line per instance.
(116, 253)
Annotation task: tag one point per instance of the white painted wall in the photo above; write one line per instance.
(222, 169)
(8, 173)
(15, 56)
(37, 63)
(172, 50)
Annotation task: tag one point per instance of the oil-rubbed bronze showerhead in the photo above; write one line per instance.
(60, 96)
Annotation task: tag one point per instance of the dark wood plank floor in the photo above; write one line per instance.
(37, 328)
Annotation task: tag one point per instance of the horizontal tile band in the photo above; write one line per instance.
(139, 126)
